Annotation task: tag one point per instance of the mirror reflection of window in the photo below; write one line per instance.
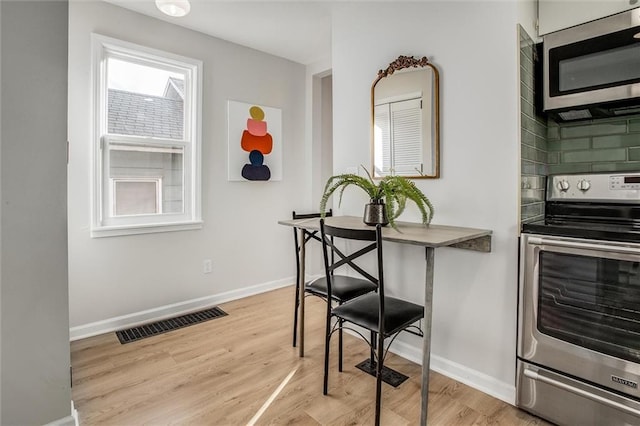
(398, 136)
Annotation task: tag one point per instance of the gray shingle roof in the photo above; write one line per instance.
(174, 88)
(144, 115)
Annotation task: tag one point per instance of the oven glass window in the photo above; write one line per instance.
(592, 302)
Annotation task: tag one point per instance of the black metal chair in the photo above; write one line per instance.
(384, 316)
(344, 287)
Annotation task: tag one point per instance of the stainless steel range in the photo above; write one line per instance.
(579, 303)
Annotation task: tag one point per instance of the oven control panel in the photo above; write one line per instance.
(624, 182)
(623, 187)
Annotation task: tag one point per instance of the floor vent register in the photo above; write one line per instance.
(159, 327)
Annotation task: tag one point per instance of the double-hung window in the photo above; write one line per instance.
(147, 139)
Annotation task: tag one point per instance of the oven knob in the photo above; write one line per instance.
(563, 185)
(584, 185)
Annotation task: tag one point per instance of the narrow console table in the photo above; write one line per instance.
(430, 237)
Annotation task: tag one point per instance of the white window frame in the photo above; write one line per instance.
(104, 223)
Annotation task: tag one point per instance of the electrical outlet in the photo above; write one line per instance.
(207, 266)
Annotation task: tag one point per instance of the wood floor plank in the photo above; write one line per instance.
(224, 371)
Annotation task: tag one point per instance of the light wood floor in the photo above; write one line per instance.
(223, 371)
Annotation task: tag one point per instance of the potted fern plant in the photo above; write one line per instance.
(388, 197)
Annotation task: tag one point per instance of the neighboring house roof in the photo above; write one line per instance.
(174, 88)
(144, 115)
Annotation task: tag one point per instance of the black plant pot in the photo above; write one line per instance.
(375, 213)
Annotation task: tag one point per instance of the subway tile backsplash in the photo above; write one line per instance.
(608, 145)
(616, 141)
(593, 156)
(533, 139)
(592, 129)
(630, 166)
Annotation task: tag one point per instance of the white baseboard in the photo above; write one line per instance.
(475, 379)
(168, 311)
(65, 421)
(70, 420)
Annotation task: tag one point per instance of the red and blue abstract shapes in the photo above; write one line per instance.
(258, 143)
(254, 142)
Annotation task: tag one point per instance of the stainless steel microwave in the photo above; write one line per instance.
(593, 70)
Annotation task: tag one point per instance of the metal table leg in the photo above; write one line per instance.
(301, 280)
(426, 340)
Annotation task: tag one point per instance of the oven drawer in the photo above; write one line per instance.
(611, 373)
(566, 401)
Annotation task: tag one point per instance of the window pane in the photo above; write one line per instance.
(135, 197)
(166, 165)
(144, 101)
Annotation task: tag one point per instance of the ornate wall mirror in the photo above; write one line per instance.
(405, 119)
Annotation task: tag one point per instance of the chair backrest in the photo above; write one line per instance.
(335, 258)
(308, 235)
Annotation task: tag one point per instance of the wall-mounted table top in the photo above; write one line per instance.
(409, 232)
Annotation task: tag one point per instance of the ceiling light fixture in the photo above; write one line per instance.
(176, 8)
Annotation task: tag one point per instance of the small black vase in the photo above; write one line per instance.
(375, 213)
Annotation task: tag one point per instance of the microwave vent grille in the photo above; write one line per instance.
(579, 114)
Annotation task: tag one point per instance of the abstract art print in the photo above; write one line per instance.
(255, 142)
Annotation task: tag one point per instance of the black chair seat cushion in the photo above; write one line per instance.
(363, 311)
(344, 288)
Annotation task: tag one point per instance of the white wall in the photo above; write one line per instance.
(326, 136)
(35, 378)
(115, 276)
(475, 47)
(318, 128)
(528, 16)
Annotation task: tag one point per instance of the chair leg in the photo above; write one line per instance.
(296, 305)
(372, 348)
(327, 341)
(340, 321)
(379, 377)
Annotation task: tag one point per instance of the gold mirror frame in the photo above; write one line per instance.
(404, 62)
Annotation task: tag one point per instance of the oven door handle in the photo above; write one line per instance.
(534, 375)
(537, 241)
